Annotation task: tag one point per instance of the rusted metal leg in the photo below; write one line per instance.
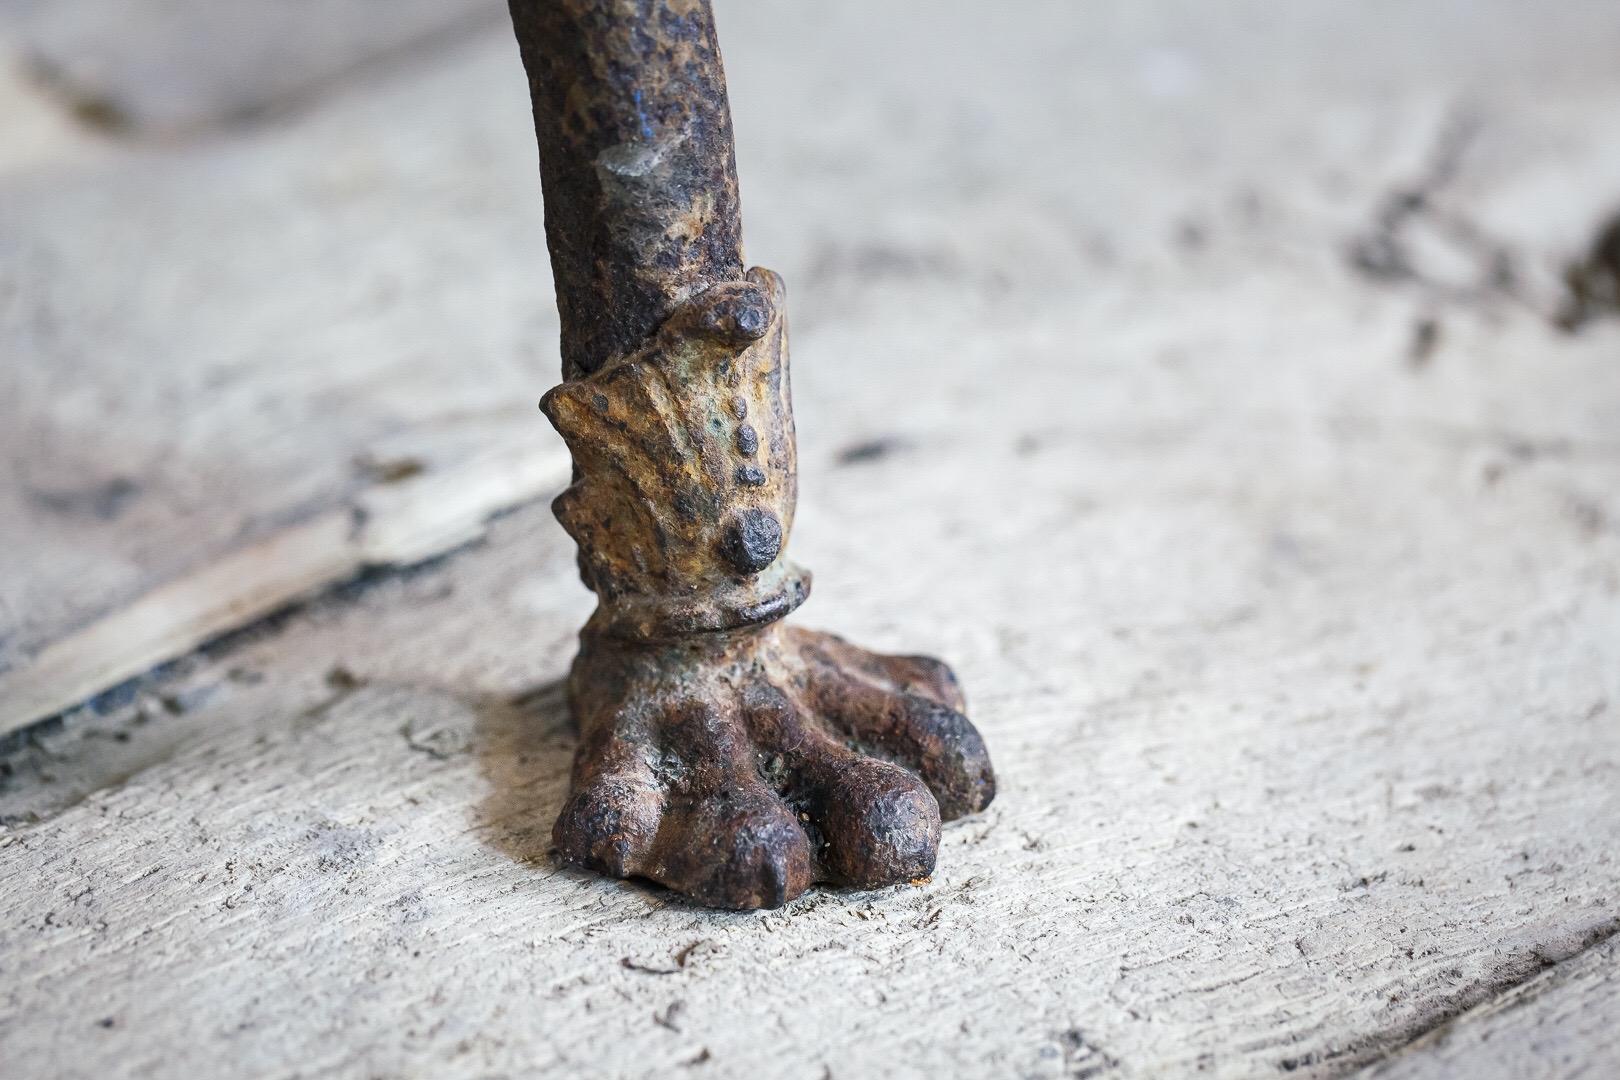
(723, 754)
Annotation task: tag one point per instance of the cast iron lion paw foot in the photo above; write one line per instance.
(739, 769)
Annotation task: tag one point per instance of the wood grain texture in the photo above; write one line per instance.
(1295, 644)
(216, 343)
(397, 523)
(1563, 1023)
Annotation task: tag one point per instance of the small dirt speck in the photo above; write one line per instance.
(870, 450)
(389, 470)
(1425, 339)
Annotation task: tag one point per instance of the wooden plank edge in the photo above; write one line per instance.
(392, 525)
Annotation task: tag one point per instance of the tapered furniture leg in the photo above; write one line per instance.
(722, 753)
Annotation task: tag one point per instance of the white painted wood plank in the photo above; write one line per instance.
(396, 525)
(168, 67)
(1296, 653)
(1563, 1024)
(211, 344)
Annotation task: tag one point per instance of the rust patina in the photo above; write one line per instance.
(722, 753)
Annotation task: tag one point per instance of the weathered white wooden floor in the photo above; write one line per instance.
(1189, 375)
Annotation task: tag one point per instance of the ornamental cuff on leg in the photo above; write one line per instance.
(685, 469)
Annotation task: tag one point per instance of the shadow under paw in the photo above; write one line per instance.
(523, 747)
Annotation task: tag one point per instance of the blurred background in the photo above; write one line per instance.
(1230, 390)
(248, 244)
